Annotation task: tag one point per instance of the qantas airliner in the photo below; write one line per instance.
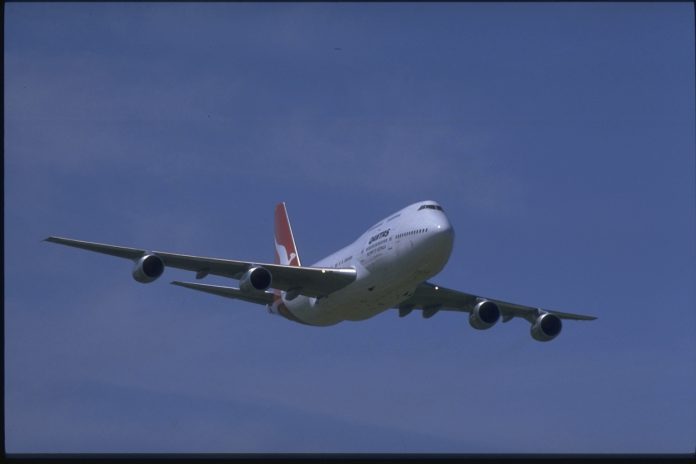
(386, 267)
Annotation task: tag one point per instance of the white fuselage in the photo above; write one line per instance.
(391, 259)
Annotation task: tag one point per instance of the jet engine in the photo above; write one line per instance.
(256, 279)
(546, 327)
(484, 315)
(148, 269)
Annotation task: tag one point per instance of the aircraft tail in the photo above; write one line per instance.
(285, 248)
(286, 254)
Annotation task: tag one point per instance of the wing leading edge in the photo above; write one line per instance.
(309, 281)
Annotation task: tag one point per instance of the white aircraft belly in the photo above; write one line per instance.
(356, 302)
(358, 306)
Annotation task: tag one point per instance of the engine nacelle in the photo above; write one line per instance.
(546, 327)
(484, 315)
(148, 269)
(256, 279)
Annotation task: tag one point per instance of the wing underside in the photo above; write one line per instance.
(432, 298)
(309, 281)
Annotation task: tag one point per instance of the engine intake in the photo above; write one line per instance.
(256, 279)
(484, 315)
(148, 269)
(546, 327)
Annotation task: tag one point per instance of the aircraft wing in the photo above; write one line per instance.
(264, 298)
(432, 298)
(309, 281)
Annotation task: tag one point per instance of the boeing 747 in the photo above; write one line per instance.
(387, 267)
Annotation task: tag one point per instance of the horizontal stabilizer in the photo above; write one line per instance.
(229, 292)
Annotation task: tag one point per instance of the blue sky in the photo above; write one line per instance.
(559, 137)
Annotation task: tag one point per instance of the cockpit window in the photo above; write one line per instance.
(437, 207)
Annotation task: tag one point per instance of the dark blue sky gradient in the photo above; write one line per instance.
(559, 137)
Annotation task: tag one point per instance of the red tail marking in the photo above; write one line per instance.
(285, 253)
(285, 249)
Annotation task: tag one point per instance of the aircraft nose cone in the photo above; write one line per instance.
(441, 225)
(441, 235)
(435, 247)
(444, 234)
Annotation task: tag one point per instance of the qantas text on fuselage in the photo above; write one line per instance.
(387, 267)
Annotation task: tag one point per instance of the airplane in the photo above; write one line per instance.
(387, 267)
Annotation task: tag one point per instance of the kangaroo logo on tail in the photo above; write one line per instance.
(285, 254)
(282, 255)
(285, 249)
